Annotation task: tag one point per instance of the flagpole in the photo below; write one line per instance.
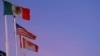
(23, 53)
(15, 36)
(6, 36)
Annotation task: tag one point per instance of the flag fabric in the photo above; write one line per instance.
(28, 45)
(21, 31)
(12, 9)
(2, 53)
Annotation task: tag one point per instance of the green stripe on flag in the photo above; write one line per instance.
(7, 8)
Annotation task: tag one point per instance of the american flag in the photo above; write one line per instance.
(22, 31)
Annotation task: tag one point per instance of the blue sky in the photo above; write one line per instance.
(62, 27)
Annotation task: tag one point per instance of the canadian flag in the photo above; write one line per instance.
(28, 45)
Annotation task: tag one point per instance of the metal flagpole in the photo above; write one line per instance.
(6, 36)
(15, 36)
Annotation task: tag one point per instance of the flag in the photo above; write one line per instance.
(21, 31)
(2, 53)
(28, 45)
(12, 9)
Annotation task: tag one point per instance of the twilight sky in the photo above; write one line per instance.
(62, 27)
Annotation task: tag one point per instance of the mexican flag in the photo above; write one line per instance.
(11, 9)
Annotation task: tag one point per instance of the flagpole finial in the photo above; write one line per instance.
(14, 16)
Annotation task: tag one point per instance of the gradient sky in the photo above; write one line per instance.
(62, 27)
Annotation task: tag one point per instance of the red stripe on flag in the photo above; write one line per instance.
(22, 41)
(28, 45)
(25, 33)
(26, 13)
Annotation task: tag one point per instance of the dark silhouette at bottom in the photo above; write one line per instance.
(2, 53)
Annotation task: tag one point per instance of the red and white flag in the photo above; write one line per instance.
(28, 45)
